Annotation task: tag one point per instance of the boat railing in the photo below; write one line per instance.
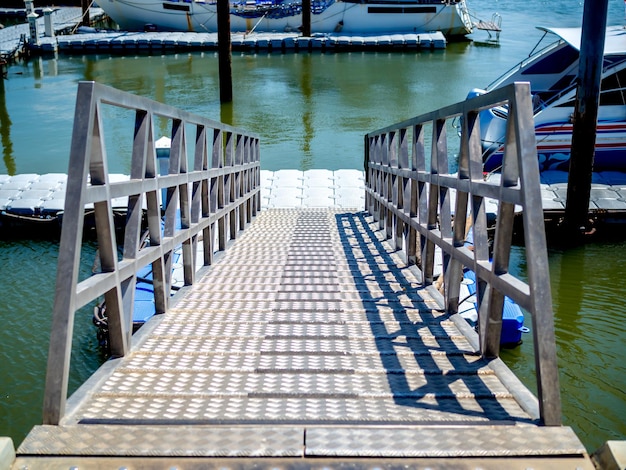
(536, 52)
(422, 205)
(210, 193)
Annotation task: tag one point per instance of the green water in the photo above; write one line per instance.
(311, 111)
(590, 314)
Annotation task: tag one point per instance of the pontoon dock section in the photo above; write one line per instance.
(32, 197)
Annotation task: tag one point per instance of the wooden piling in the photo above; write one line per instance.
(306, 18)
(86, 20)
(224, 51)
(585, 118)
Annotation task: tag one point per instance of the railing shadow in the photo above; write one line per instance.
(419, 204)
(413, 311)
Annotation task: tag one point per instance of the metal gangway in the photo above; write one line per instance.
(303, 337)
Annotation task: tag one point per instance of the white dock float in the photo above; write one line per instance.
(42, 197)
(159, 42)
(608, 190)
(313, 188)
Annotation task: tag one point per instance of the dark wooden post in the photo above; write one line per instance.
(585, 117)
(86, 21)
(224, 51)
(306, 18)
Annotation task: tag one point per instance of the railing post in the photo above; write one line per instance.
(229, 181)
(419, 193)
(469, 132)
(59, 352)
(404, 193)
(223, 190)
(537, 255)
(383, 179)
(214, 192)
(240, 179)
(392, 218)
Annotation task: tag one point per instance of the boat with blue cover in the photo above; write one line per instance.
(362, 17)
(512, 315)
(144, 306)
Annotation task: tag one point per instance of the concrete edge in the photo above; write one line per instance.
(7, 453)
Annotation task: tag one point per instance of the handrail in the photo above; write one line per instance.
(216, 199)
(410, 196)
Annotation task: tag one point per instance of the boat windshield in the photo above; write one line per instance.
(544, 47)
(612, 89)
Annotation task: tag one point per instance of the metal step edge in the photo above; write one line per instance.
(461, 440)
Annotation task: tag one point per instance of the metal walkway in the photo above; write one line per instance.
(309, 338)
(303, 337)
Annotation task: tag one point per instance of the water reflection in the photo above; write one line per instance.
(227, 114)
(569, 283)
(5, 132)
(306, 87)
(589, 323)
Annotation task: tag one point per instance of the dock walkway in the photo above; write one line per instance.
(309, 338)
(303, 337)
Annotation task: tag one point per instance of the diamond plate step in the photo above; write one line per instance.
(444, 441)
(311, 441)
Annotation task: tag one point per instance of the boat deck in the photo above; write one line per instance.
(309, 339)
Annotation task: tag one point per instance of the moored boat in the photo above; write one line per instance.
(553, 74)
(451, 17)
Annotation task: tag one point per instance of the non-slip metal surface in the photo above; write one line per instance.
(293, 441)
(310, 337)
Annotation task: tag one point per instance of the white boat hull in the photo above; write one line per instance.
(552, 73)
(346, 17)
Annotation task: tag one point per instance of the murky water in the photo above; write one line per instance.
(311, 111)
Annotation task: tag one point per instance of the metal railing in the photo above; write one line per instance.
(212, 202)
(411, 195)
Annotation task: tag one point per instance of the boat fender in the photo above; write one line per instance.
(474, 92)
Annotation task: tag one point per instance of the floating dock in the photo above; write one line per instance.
(65, 20)
(276, 42)
(32, 197)
(41, 198)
